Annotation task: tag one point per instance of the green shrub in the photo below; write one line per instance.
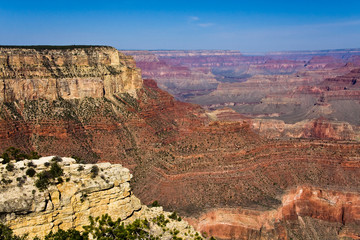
(70, 234)
(56, 170)
(7, 234)
(17, 154)
(10, 167)
(30, 172)
(43, 180)
(78, 160)
(47, 177)
(155, 204)
(5, 157)
(33, 155)
(56, 159)
(175, 217)
(31, 164)
(161, 220)
(106, 228)
(6, 181)
(94, 171)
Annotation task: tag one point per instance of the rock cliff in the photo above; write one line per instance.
(190, 160)
(68, 203)
(334, 214)
(29, 73)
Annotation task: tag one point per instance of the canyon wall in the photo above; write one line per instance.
(294, 90)
(192, 160)
(31, 73)
(305, 213)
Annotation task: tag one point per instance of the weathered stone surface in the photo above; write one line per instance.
(31, 73)
(70, 203)
(337, 213)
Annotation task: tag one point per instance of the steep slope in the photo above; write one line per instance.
(182, 158)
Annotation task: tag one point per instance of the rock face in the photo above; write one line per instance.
(31, 73)
(189, 159)
(69, 204)
(335, 214)
(292, 89)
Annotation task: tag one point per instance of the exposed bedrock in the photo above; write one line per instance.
(52, 73)
(183, 156)
(305, 213)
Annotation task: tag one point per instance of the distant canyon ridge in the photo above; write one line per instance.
(305, 94)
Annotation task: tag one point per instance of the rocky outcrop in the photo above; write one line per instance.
(68, 203)
(302, 209)
(29, 73)
(314, 129)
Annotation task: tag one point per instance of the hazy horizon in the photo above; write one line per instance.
(250, 27)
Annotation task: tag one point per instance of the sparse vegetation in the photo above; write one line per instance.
(7, 234)
(56, 159)
(30, 172)
(175, 217)
(13, 153)
(104, 228)
(94, 171)
(31, 164)
(10, 167)
(161, 221)
(155, 204)
(78, 159)
(47, 177)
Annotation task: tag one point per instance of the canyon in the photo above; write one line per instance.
(294, 90)
(224, 170)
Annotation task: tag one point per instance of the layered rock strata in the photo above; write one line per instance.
(31, 73)
(181, 155)
(68, 204)
(293, 89)
(336, 214)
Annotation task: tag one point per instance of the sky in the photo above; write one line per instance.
(248, 26)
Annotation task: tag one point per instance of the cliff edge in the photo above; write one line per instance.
(68, 72)
(30, 206)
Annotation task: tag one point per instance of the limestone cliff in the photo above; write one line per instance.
(69, 203)
(68, 72)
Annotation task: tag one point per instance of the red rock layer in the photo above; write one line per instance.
(177, 155)
(333, 209)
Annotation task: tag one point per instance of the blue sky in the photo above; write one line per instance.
(248, 26)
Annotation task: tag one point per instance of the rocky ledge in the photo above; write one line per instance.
(52, 72)
(73, 192)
